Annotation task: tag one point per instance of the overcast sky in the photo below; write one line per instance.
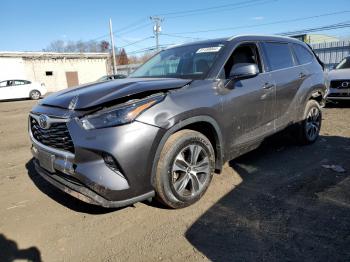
(32, 25)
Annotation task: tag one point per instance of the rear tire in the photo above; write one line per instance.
(308, 130)
(34, 94)
(185, 169)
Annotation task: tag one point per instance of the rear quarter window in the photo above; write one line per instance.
(278, 55)
(303, 55)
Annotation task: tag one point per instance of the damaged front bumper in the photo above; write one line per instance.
(86, 175)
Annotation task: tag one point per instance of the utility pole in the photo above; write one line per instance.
(157, 28)
(112, 46)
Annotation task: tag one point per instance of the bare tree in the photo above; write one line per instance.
(104, 46)
(56, 46)
(77, 46)
(122, 57)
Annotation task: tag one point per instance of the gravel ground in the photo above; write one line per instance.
(277, 203)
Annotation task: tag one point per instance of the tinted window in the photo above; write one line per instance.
(278, 55)
(344, 64)
(303, 55)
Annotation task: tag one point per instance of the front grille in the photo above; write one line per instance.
(57, 136)
(340, 84)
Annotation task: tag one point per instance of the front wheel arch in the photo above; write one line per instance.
(219, 157)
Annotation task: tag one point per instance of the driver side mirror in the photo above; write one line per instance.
(243, 71)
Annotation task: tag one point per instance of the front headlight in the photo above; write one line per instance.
(119, 115)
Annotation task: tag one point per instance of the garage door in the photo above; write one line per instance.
(72, 79)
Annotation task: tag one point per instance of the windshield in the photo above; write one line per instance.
(189, 62)
(345, 63)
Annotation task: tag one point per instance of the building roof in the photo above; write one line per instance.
(52, 55)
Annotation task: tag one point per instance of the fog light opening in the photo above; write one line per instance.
(111, 163)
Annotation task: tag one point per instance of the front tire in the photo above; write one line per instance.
(185, 169)
(34, 95)
(309, 128)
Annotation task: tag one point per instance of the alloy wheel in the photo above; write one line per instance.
(190, 171)
(313, 123)
(35, 95)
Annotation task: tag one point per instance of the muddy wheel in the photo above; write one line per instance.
(184, 169)
(309, 129)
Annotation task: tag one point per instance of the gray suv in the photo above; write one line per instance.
(163, 131)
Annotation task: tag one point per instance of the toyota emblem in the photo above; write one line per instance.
(44, 122)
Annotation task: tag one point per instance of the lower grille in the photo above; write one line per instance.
(57, 136)
(339, 95)
(340, 84)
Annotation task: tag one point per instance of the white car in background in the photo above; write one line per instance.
(13, 89)
(339, 81)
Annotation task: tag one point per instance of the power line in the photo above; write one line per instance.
(150, 48)
(208, 8)
(179, 36)
(121, 31)
(264, 24)
(138, 41)
(131, 25)
(134, 29)
(344, 24)
(225, 9)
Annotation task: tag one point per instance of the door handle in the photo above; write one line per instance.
(268, 86)
(302, 75)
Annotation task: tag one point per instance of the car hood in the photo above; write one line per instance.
(339, 74)
(96, 94)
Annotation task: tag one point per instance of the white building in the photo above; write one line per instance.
(56, 70)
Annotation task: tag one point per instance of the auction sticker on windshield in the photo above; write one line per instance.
(209, 49)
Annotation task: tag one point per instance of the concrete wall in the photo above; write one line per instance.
(89, 70)
(11, 68)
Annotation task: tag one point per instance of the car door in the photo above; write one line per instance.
(288, 77)
(20, 89)
(250, 102)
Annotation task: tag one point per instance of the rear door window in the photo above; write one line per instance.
(303, 55)
(19, 82)
(278, 55)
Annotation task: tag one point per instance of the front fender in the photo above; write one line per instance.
(180, 125)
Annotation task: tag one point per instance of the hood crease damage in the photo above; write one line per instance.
(98, 95)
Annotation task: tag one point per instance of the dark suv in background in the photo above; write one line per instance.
(164, 130)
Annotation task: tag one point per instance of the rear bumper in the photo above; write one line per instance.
(76, 189)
